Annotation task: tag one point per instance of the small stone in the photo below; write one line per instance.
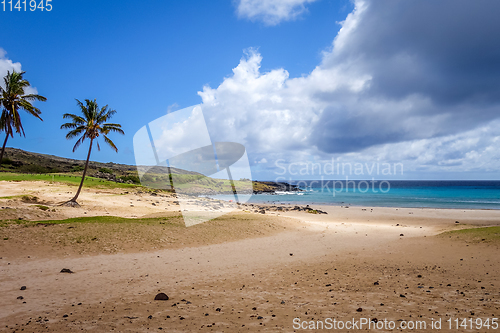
(161, 297)
(150, 317)
(23, 288)
(260, 317)
(291, 254)
(218, 309)
(401, 235)
(65, 316)
(359, 309)
(401, 295)
(376, 283)
(66, 270)
(20, 297)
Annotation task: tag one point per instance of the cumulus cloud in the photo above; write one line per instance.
(408, 80)
(7, 64)
(271, 12)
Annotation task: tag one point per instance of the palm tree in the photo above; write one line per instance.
(13, 98)
(90, 126)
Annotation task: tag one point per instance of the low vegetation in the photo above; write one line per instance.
(63, 178)
(475, 235)
(109, 234)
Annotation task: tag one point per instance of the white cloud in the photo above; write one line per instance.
(272, 12)
(7, 65)
(397, 85)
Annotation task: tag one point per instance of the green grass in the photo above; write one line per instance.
(111, 219)
(476, 235)
(42, 207)
(23, 197)
(173, 221)
(62, 178)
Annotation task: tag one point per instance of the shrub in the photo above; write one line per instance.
(29, 198)
(42, 207)
(34, 168)
(134, 179)
(77, 168)
(105, 170)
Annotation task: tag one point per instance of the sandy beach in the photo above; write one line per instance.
(242, 272)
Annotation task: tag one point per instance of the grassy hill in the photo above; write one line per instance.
(22, 165)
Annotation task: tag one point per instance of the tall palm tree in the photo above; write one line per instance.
(13, 98)
(90, 125)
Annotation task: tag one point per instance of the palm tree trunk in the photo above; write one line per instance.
(84, 172)
(3, 148)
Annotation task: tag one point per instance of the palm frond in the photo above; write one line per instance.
(78, 143)
(77, 131)
(30, 109)
(76, 119)
(92, 123)
(112, 128)
(33, 97)
(110, 143)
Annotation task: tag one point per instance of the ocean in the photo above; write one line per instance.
(413, 194)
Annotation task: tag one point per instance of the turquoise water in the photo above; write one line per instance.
(434, 194)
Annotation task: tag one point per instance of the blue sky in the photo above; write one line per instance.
(387, 88)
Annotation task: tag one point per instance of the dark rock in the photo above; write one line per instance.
(359, 309)
(457, 222)
(65, 316)
(20, 297)
(260, 317)
(218, 309)
(161, 297)
(401, 235)
(419, 276)
(401, 295)
(23, 288)
(376, 283)
(150, 317)
(66, 270)
(291, 254)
